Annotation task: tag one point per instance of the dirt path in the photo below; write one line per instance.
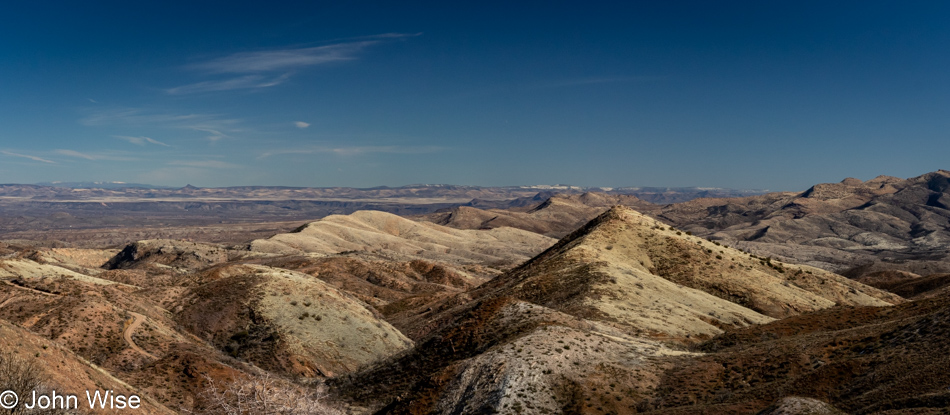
(27, 288)
(137, 320)
(8, 300)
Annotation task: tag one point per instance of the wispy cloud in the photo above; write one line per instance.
(216, 126)
(27, 156)
(267, 68)
(73, 153)
(301, 124)
(357, 150)
(215, 135)
(93, 156)
(141, 140)
(213, 164)
(244, 82)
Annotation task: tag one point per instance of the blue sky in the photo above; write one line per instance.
(776, 95)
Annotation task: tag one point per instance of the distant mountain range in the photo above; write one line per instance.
(100, 185)
(497, 197)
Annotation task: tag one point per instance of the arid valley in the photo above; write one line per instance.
(466, 300)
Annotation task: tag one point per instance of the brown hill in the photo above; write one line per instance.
(117, 327)
(57, 368)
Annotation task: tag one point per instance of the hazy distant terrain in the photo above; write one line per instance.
(83, 212)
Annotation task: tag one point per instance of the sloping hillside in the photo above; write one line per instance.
(287, 322)
(508, 356)
(852, 227)
(402, 238)
(58, 368)
(631, 270)
(555, 216)
(883, 360)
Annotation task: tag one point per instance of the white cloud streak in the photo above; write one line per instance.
(92, 156)
(357, 150)
(301, 124)
(26, 156)
(140, 140)
(73, 153)
(213, 164)
(244, 82)
(268, 68)
(215, 126)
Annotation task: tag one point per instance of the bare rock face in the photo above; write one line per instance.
(169, 255)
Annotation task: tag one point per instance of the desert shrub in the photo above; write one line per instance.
(23, 376)
(263, 395)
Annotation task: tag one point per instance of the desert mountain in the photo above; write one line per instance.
(575, 329)
(555, 216)
(853, 227)
(631, 270)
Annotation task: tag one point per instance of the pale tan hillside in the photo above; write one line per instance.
(287, 321)
(87, 261)
(21, 268)
(635, 272)
(400, 238)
